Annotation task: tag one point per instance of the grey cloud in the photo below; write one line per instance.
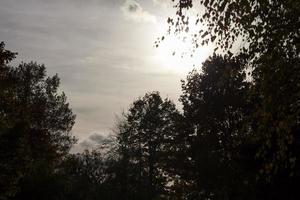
(92, 142)
(95, 141)
(84, 145)
(134, 11)
(100, 58)
(134, 7)
(97, 138)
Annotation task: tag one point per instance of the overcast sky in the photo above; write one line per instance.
(103, 51)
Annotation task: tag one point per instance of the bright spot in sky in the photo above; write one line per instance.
(175, 54)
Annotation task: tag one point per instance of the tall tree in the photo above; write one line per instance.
(269, 37)
(275, 123)
(35, 120)
(146, 132)
(215, 103)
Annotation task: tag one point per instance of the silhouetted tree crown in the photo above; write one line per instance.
(237, 136)
(35, 121)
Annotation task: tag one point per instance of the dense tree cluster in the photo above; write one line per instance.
(237, 136)
(35, 123)
(147, 138)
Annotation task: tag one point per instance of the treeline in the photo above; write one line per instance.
(235, 138)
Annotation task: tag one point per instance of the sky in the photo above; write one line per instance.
(103, 51)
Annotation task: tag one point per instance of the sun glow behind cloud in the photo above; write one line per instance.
(102, 50)
(175, 52)
(175, 55)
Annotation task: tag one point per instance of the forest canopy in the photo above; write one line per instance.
(236, 136)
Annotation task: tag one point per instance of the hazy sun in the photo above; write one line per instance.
(174, 54)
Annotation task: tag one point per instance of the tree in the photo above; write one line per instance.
(87, 176)
(215, 103)
(269, 31)
(275, 123)
(7, 173)
(264, 25)
(35, 121)
(144, 137)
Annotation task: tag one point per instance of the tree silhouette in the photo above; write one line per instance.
(275, 122)
(35, 121)
(269, 35)
(145, 135)
(236, 138)
(215, 103)
(263, 25)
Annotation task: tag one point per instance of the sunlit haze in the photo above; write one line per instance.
(103, 51)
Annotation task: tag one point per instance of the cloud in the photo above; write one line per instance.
(92, 142)
(134, 11)
(85, 145)
(97, 138)
(103, 64)
(96, 141)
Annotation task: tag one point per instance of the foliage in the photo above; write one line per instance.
(145, 137)
(263, 25)
(237, 137)
(35, 120)
(266, 35)
(215, 103)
